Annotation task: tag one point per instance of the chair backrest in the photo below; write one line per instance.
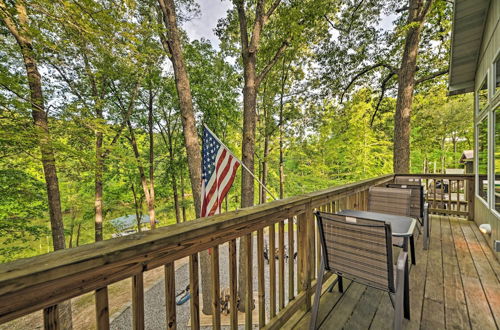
(358, 249)
(417, 198)
(389, 200)
(408, 180)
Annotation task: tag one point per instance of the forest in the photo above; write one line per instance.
(102, 105)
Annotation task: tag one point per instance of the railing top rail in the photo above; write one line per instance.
(439, 176)
(95, 265)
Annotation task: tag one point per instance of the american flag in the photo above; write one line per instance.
(218, 172)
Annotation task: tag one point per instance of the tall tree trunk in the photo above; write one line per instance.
(190, 132)
(99, 171)
(142, 174)
(168, 140)
(136, 206)
(78, 231)
(183, 197)
(20, 32)
(406, 82)
(252, 80)
(151, 204)
(284, 76)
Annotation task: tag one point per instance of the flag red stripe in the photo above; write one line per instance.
(221, 179)
(213, 188)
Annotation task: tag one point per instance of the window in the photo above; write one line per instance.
(482, 94)
(482, 158)
(497, 159)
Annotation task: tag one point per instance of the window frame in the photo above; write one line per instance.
(483, 116)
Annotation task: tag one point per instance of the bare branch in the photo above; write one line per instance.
(272, 62)
(425, 10)
(382, 94)
(362, 72)
(402, 9)
(272, 9)
(242, 18)
(431, 76)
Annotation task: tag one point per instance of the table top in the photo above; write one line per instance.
(400, 225)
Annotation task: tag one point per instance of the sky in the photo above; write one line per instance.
(203, 26)
(212, 10)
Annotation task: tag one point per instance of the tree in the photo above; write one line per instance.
(417, 12)
(367, 52)
(16, 19)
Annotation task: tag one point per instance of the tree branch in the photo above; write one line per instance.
(257, 26)
(362, 72)
(272, 62)
(7, 19)
(272, 9)
(431, 76)
(242, 18)
(382, 94)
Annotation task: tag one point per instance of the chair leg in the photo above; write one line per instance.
(317, 296)
(341, 285)
(412, 248)
(407, 293)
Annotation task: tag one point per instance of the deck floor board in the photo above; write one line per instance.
(455, 285)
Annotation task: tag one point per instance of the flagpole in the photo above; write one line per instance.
(242, 165)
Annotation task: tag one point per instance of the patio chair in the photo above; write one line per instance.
(419, 209)
(392, 201)
(361, 250)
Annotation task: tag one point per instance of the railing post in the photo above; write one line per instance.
(102, 308)
(304, 242)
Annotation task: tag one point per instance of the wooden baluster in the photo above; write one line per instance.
(214, 265)
(470, 199)
(249, 283)
(304, 256)
(233, 284)
(291, 260)
(272, 271)
(442, 195)
(281, 268)
(427, 191)
(170, 296)
(51, 318)
(318, 243)
(459, 203)
(194, 301)
(450, 190)
(435, 196)
(261, 279)
(138, 301)
(311, 238)
(102, 308)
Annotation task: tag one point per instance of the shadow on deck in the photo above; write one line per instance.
(454, 285)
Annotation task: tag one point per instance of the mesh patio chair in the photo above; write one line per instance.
(361, 250)
(392, 201)
(419, 209)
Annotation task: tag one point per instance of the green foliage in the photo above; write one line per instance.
(94, 54)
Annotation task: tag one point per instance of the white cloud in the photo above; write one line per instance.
(203, 26)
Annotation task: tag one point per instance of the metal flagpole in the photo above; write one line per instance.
(242, 165)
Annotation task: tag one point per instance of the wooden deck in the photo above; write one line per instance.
(454, 285)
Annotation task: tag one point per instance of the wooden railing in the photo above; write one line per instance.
(448, 194)
(43, 282)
